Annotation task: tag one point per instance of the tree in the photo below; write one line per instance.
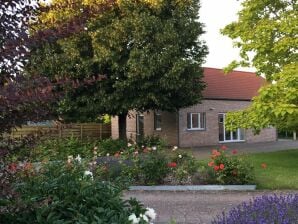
(24, 98)
(150, 52)
(266, 33)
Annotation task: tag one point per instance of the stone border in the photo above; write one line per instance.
(194, 188)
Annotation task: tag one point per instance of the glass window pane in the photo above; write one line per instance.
(195, 120)
(157, 121)
(241, 132)
(203, 120)
(188, 121)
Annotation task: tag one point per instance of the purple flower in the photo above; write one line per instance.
(266, 209)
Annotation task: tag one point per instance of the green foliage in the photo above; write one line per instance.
(231, 169)
(153, 168)
(140, 48)
(151, 141)
(62, 193)
(186, 167)
(60, 149)
(268, 29)
(112, 146)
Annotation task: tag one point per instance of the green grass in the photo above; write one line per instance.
(281, 171)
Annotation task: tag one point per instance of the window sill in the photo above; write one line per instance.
(196, 129)
(157, 129)
(231, 141)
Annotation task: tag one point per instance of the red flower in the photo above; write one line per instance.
(215, 153)
(264, 165)
(221, 166)
(234, 151)
(216, 168)
(211, 163)
(172, 164)
(12, 167)
(224, 147)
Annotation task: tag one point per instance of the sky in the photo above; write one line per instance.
(215, 14)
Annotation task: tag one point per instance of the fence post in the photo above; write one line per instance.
(81, 131)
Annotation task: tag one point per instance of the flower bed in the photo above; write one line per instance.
(152, 165)
(281, 209)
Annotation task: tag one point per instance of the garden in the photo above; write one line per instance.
(89, 177)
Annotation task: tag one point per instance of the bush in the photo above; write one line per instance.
(230, 169)
(153, 168)
(152, 141)
(281, 209)
(68, 193)
(112, 146)
(185, 166)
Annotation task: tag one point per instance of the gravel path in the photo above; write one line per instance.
(193, 207)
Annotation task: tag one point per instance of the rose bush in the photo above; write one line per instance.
(229, 168)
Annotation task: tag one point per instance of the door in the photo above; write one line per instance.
(140, 127)
(226, 135)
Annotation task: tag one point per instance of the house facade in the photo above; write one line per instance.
(203, 124)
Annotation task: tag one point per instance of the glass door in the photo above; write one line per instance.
(228, 136)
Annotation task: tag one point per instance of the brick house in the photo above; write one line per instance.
(203, 124)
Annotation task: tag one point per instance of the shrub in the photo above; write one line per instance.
(152, 141)
(59, 149)
(230, 169)
(281, 209)
(152, 168)
(68, 193)
(112, 146)
(186, 166)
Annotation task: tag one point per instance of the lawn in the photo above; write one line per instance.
(281, 171)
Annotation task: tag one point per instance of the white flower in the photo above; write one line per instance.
(95, 148)
(143, 146)
(78, 158)
(88, 173)
(108, 154)
(175, 148)
(150, 213)
(69, 159)
(85, 28)
(180, 156)
(129, 145)
(154, 148)
(144, 217)
(134, 219)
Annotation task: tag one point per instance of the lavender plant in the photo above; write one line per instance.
(267, 209)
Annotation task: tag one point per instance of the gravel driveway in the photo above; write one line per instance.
(193, 207)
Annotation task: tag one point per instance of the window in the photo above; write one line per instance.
(196, 121)
(157, 120)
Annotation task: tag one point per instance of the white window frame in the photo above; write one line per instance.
(199, 122)
(157, 113)
(224, 133)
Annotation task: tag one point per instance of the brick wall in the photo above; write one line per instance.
(168, 131)
(193, 138)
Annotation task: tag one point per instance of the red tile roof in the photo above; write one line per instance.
(236, 85)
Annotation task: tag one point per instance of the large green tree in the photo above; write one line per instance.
(150, 52)
(267, 34)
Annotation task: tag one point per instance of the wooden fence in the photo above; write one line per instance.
(78, 130)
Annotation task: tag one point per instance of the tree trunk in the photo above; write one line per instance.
(122, 126)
